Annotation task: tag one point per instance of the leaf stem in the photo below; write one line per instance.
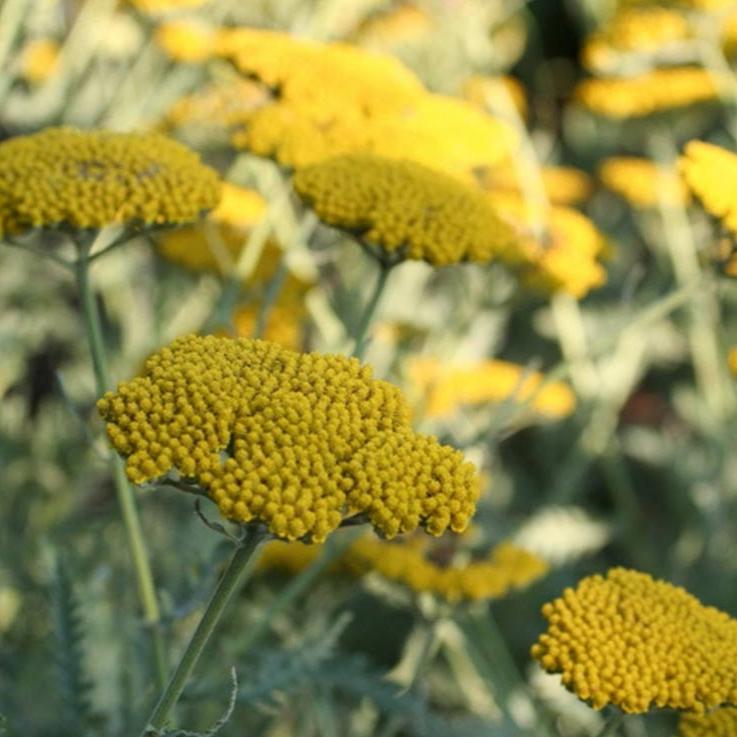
(239, 567)
(369, 310)
(612, 725)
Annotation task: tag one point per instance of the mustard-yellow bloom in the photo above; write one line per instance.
(298, 442)
(161, 7)
(732, 359)
(404, 209)
(496, 93)
(647, 93)
(283, 324)
(486, 382)
(711, 174)
(186, 40)
(717, 723)
(642, 182)
(401, 24)
(91, 179)
(39, 60)
(635, 642)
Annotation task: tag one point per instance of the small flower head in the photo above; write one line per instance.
(63, 177)
(649, 92)
(296, 441)
(643, 183)
(635, 642)
(186, 40)
(711, 174)
(404, 209)
(718, 723)
(39, 60)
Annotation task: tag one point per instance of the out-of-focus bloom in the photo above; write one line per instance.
(186, 40)
(711, 174)
(216, 242)
(635, 642)
(732, 360)
(566, 258)
(91, 179)
(487, 382)
(564, 185)
(282, 326)
(717, 723)
(404, 209)
(642, 182)
(647, 32)
(647, 93)
(506, 567)
(402, 24)
(295, 441)
(161, 7)
(39, 60)
(496, 93)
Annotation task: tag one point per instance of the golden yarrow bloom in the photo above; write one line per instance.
(732, 358)
(63, 177)
(647, 93)
(642, 182)
(496, 93)
(39, 60)
(161, 7)
(634, 31)
(711, 174)
(448, 387)
(402, 24)
(188, 41)
(297, 442)
(635, 642)
(404, 209)
(718, 723)
(283, 324)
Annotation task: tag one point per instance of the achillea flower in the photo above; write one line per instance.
(491, 381)
(38, 60)
(298, 442)
(642, 182)
(566, 258)
(404, 209)
(63, 177)
(647, 93)
(402, 24)
(215, 243)
(494, 93)
(161, 7)
(564, 185)
(635, 642)
(732, 358)
(648, 31)
(718, 723)
(186, 40)
(283, 324)
(711, 174)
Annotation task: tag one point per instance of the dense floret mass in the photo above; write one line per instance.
(296, 441)
(91, 179)
(711, 174)
(635, 642)
(404, 209)
(718, 723)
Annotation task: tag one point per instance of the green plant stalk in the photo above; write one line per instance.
(239, 567)
(612, 725)
(126, 500)
(369, 310)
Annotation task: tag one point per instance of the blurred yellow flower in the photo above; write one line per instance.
(404, 209)
(635, 642)
(160, 7)
(297, 442)
(91, 179)
(642, 182)
(647, 93)
(283, 324)
(446, 387)
(711, 173)
(403, 23)
(496, 93)
(717, 723)
(643, 31)
(188, 41)
(732, 360)
(38, 60)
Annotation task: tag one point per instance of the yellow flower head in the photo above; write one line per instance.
(566, 258)
(711, 174)
(186, 40)
(732, 360)
(404, 208)
(641, 31)
(283, 325)
(89, 179)
(718, 723)
(402, 24)
(647, 93)
(490, 381)
(161, 7)
(635, 642)
(496, 93)
(642, 182)
(39, 60)
(295, 441)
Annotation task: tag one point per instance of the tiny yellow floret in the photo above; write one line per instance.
(90, 179)
(636, 642)
(404, 208)
(298, 442)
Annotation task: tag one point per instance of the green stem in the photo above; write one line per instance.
(272, 294)
(362, 329)
(126, 500)
(612, 725)
(240, 566)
